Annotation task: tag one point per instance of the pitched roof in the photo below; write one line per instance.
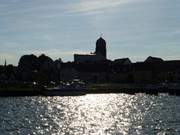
(122, 61)
(153, 59)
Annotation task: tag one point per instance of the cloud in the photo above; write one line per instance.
(92, 6)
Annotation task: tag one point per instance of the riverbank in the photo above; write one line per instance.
(37, 90)
(172, 88)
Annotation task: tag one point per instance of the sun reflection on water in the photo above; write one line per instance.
(102, 114)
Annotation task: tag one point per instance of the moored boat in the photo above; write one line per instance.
(74, 88)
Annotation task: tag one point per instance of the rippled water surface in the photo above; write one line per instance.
(103, 114)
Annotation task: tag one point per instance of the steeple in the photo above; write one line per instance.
(5, 63)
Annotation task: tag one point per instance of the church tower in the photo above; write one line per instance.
(101, 47)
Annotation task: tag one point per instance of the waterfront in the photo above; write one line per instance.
(104, 114)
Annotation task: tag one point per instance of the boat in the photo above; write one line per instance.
(75, 88)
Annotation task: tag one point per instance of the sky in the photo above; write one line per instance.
(59, 28)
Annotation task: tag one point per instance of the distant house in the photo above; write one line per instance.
(123, 61)
(151, 59)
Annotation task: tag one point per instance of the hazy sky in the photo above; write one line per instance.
(59, 28)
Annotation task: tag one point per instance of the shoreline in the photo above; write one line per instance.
(152, 89)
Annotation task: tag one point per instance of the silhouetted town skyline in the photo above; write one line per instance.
(94, 67)
(100, 54)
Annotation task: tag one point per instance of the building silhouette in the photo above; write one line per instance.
(100, 53)
(101, 47)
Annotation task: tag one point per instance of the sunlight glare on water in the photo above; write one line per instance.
(99, 114)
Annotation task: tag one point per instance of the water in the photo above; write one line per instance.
(103, 114)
